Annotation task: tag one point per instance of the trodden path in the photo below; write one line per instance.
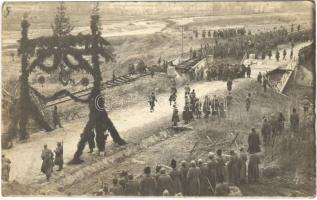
(25, 157)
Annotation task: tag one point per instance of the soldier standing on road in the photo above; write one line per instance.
(284, 54)
(198, 106)
(206, 106)
(229, 100)
(56, 119)
(248, 102)
(259, 78)
(175, 117)
(152, 101)
(265, 83)
(59, 161)
(277, 55)
(291, 54)
(48, 162)
(270, 54)
(187, 89)
(229, 84)
(5, 168)
(248, 69)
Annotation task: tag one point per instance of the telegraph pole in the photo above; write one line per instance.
(182, 40)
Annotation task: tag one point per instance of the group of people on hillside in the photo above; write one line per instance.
(210, 177)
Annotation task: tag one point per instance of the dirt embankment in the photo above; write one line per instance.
(166, 144)
(159, 144)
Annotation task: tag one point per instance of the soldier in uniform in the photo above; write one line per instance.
(193, 179)
(248, 69)
(233, 169)
(277, 55)
(175, 117)
(229, 84)
(175, 176)
(229, 100)
(243, 166)
(56, 119)
(198, 106)
(265, 83)
(5, 168)
(259, 78)
(147, 183)
(266, 132)
(48, 162)
(212, 172)
(248, 102)
(203, 177)
(221, 164)
(164, 182)
(284, 54)
(183, 177)
(116, 189)
(253, 168)
(270, 54)
(132, 187)
(291, 55)
(152, 101)
(254, 142)
(215, 106)
(123, 179)
(59, 160)
(222, 114)
(187, 89)
(206, 106)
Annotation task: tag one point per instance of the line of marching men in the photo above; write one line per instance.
(214, 107)
(210, 177)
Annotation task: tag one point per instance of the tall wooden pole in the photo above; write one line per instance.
(24, 87)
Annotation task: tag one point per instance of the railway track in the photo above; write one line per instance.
(120, 80)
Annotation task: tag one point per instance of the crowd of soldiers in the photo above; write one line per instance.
(195, 108)
(258, 44)
(229, 32)
(226, 71)
(210, 177)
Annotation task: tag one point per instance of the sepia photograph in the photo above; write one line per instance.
(158, 98)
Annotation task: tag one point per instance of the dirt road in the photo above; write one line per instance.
(25, 157)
